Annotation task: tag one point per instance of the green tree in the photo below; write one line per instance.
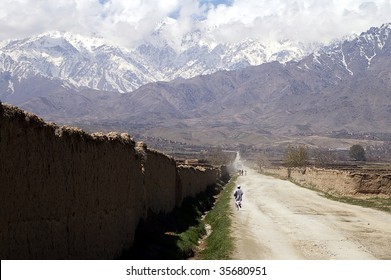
(296, 156)
(357, 152)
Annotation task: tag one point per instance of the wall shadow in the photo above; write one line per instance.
(158, 236)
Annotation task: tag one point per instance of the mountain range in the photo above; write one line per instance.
(84, 62)
(204, 94)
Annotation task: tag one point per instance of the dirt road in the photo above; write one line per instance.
(282, 221)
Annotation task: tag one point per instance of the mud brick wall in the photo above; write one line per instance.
(372, 183)
(191, 181)
(66, 194)
(330, 181)
(337, 181)
(160, 181)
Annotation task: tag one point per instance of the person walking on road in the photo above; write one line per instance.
(238, 194)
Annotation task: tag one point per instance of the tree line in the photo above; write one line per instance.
(297, 156)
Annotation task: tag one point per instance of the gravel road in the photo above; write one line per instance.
(282, 221)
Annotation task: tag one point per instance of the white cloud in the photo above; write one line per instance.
(123, 20)
(128, 22)
(20, 18)
(303, 20)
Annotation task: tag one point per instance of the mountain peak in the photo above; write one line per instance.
(167, 21)
(386, 26)
(343, 85)
(93, 63)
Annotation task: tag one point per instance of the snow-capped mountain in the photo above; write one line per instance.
(82, 62)
(76, 60)
(358, 53)
(344, 86)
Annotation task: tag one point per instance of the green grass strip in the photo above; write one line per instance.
(380, 203)
(174, 235)
(219, 244)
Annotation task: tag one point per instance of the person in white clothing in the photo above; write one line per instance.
(238, 194)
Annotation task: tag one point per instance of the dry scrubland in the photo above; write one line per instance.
(66, 194)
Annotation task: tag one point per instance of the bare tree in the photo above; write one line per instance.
(296, 156)
(324, 156)
(218, 157)
(262, 160)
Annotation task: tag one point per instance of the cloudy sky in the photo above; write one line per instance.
(128, 22)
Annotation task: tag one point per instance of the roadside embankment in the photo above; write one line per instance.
(345, 182)
(67, 194)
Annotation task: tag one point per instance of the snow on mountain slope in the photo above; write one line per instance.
(344, 86)
(84, 62)
(80, 61)
(356, 53)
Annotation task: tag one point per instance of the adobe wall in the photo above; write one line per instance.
(159, 180)
(191, 181)
(347, 182)
(372, 183)
(66, 194)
